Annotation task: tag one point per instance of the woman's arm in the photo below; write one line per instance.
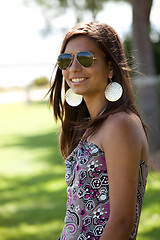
(122, 144)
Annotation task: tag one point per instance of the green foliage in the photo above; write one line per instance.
(128, 51)
(48, 3)
(94, 6)
(41, 81)
(158, 93)
(156, 53)
(33, 189)
(57, 7)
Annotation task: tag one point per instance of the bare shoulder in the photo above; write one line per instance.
(123, 123)
(124, 131)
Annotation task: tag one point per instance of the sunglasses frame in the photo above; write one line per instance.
(75, 55)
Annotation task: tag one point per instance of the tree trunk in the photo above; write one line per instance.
(147, 87)
(148, 104)
(141, 43)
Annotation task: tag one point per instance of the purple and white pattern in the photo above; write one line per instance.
(88, 206)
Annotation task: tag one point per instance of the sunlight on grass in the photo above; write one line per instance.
(56, 185)
(22, 118)
(27, 161)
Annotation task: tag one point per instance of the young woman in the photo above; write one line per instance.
(102, 137)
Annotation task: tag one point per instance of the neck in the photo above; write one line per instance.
(95, 106)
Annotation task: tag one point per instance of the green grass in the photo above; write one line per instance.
(32, 185)
(149, 228)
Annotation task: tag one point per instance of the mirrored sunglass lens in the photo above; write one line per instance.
(85, 59)
(64, 60)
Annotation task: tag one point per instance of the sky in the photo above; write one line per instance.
(25, 54)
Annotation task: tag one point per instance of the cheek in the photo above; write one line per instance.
(64, 73)
(105, 73)
(102, 74)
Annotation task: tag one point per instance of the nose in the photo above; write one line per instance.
(75, 66)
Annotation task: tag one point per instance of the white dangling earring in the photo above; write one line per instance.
(72, 98)
(113, 91)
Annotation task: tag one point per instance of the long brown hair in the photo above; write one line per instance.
(75, 120)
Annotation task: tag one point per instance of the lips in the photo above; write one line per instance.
(76, 80)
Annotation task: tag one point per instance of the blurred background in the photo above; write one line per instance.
(32, 186)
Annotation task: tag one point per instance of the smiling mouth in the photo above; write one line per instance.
(75, 80)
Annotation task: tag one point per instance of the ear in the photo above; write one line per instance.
(110, 70)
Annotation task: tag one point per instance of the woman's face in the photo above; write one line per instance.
(87, 81)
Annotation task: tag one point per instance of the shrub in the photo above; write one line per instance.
(41, 81)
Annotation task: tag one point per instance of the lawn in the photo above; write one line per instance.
(32, 186)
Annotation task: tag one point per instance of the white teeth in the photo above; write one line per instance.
(78, 79)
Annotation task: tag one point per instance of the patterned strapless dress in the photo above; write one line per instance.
(88, 205)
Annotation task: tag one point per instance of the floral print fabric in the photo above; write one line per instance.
(88, 206)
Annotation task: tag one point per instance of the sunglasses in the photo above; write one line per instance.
(85, 59)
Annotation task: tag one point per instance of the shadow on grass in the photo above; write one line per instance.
(46, 141)
(152, 197)
(31, 205)
(38, 141)
(152, 234)
(40, 207)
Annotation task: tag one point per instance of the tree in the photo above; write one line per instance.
(147, 97)
(143, 52)
(141, 28)
(54, 8)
